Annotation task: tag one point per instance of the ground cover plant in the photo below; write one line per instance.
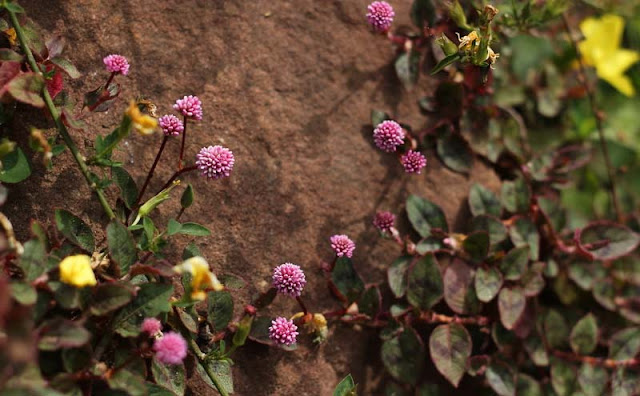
(536, 294)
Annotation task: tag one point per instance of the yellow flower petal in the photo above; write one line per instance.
(201, 277)
(76, 271)
(622, 83)
(144, 124)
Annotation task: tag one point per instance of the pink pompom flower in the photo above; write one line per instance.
(215, 162)
(413, 162)
(283, 331)
(384, 221)
(116, 64)
(190, 107)
(152, 326)
(388, 135)
(380, 16)
(289, 279)
(171, 348)
(342, 245)
(171, 125)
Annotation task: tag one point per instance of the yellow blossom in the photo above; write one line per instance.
(11, 35)
(468, 41)
(76, 271)
(201, 277)
(144, 124)
(601, 49)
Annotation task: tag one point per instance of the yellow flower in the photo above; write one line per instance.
(601, 49)
(468, 41)
(11, 35)
(76, 271)
(201, 277)
(144, 124)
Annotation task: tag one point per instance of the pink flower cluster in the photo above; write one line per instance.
(151, 326)
(190, 107)
(171, 348)
(170, 125)
(116, 64)
(215, 162)
(283, 331)
(413, 162)
(383, 221)
(289, 279)
(388, 135)
(380, 16)
(342, 245)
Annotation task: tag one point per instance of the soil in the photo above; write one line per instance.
(288, 86)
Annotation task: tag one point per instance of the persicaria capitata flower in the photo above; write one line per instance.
(116, 64)
(342, 245)
(380, 16)
(388, 135)
(190, 107)
(152, 326)
(289, 279)
(215, 162)
(413, 161)
(283, 331)
(383, 221)
(171, 348)
(170, 125)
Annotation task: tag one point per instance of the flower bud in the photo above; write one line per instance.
(448, 46)
(456, 13)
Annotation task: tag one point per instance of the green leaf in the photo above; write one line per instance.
(127, 186)
(455, 152)
(27, 88)
(556, 330)
(604, 293)
(370, 301)
(483, 201)
(377, 116)
(459, 292)
(66, 66)
(60, 333)
(625, 382)
(219, 309)
(425, 215)
(173, 227)
(563, 378)
(32, 261)
(494, 227)
(152, 299)
(346, 387)
(110, 296)
(584, 273)
(15, 167)
(121, 246)
(593, 379)
(515, 196)
(450, 348)
(407, 67)
(511, 304)
(488, 282)
(430, 244)
(222, 371)
(191, 250)
(13, 7)
(625, 344)
(403, 356)
(187, 197)
(584, 336)
(157, 390)
(502, 379)
(23, 293)
(607, 241)
(524, 233)
(425, 287)
(170, 376)
(527, 386)
(536, 349)
(514, 263)
(346, 280)
(128, 382)
(445, 62)
(75, 230)
(476, 245)
(423, 13)
(194, 229)
(397, 275)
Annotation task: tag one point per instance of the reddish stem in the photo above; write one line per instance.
(176, 174)
(153, 168)
(184, 137)
(596, 361)
(304, 308)
(106, 87)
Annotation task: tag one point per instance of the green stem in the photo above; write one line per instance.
(202, 359)
(62, 129)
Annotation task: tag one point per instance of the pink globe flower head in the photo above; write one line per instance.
(116, 64)
(380, 16)
(190, 107)
(384, 221)
(413, 162)
(171, 348)
(283, 331)
(152, 326)
(289, 279)
(342, 245)
(388, 135)
(171, 125)
(215, 162)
